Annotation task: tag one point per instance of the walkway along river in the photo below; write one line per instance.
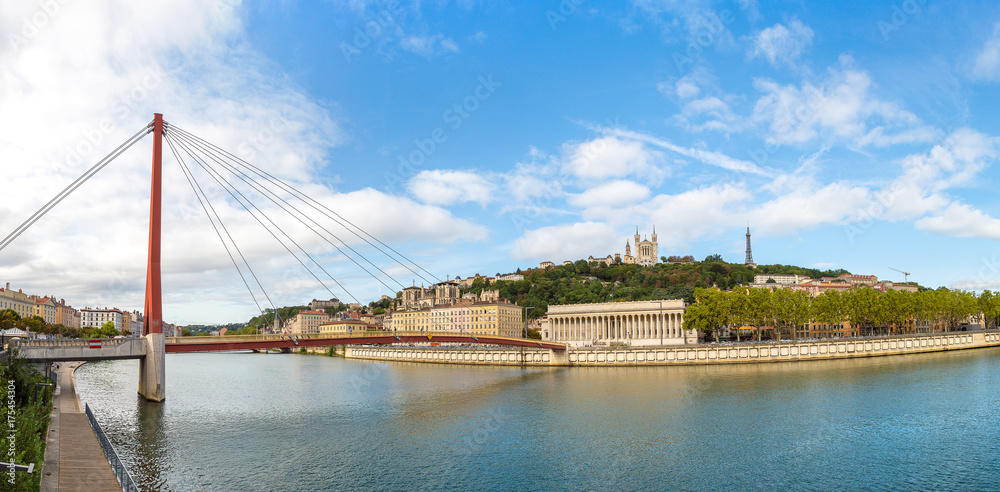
(241, 421)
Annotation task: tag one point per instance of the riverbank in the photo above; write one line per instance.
(74, 460)
(735, 353)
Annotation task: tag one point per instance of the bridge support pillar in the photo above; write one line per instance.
(559, 357)
(152, 369)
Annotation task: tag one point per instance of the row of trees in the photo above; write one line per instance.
(784, 312)
(36, 324)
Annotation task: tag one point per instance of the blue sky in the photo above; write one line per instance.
(483, 137)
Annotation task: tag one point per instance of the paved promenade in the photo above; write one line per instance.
(74, 460)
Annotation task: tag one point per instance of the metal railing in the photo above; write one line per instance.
(357, 334)
(71, 342)
(121, 473)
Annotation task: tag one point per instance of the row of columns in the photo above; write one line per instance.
(617, 327)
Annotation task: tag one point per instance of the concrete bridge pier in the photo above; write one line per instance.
(152, 369)
(559, 357)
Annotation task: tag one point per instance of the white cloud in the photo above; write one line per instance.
(961, 220)
(429, 46)
(709, 114)
(190, 61)
(709, 157)
(782, 45)
(611, 194)
(611, 157)
(442, 187)
(840, 108)
(566, 242)
(686, 216)
(987, 63)
(809, 206)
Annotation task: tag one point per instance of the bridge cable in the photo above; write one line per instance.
(74, 185)
(197, 189)
(267, 193)
(246, 203)
(320, 207)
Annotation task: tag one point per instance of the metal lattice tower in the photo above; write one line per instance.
(749, 254)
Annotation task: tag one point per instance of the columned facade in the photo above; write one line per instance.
(618, 323)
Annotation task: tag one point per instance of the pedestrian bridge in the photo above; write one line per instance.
(135, 348)
(80, 349)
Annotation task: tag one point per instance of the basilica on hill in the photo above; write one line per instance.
(646, 253)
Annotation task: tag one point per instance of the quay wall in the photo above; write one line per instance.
(685, 355)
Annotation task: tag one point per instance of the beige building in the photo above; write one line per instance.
(20, 302)
(317, 305)
(66, 315)
(45, 307)
(345, 327)
(499, 318)
(440, 293)
(307, 322)
(626, 323)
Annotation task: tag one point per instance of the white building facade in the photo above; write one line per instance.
(95, 318)
(618, 323)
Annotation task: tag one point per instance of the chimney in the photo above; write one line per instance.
(8, 285)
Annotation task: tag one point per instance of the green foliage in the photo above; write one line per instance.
(870, 311)
(9, 319)
(266, 321)
(30, 418)
(206, 329)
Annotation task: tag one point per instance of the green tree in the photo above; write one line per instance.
(989, 304)
(9, 319)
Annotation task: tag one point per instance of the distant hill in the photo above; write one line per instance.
(581, 282)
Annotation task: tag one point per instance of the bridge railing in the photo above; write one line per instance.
(70, 342)
(121, 473)
(361, 335)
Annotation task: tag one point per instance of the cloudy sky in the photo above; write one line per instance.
(482, 137)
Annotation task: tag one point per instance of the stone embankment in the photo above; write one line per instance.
(738, 353)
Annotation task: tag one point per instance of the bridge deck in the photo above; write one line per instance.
(260, 342)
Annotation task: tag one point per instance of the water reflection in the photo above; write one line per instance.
(254, 422)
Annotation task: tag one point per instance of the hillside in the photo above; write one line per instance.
(581, 282)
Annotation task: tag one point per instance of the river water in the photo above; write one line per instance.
(290, 422)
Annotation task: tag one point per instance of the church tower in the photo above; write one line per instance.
(656, 249)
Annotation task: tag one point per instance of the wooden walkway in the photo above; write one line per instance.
(74, 460)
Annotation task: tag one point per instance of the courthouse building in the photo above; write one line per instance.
(627, 323)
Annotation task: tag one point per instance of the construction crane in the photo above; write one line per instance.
(906, 275)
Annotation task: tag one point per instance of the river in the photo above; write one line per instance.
(290, 422)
